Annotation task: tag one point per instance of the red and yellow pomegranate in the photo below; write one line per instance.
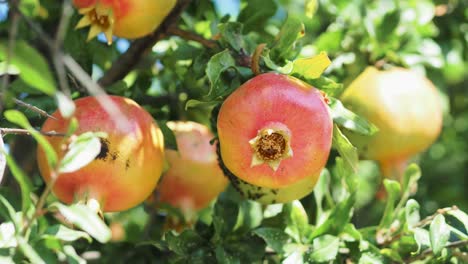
(129, 165)
(275, 132)
(123, 18)
(404, 106)
(194, 178)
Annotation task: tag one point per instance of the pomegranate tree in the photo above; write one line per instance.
(130, 162)
(404, 106)
(275, 132)
(122, 18)
(194, 178)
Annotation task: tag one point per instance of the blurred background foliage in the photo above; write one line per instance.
(429, 36)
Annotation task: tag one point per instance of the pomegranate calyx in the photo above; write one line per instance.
(99, 19)
(271, 146)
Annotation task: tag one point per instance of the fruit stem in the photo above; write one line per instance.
(255, 65)
(393, 169)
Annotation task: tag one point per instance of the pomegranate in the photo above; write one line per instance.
(404, 106)
(275, 131)
(194, 178)
(129, 165)
(122, 18)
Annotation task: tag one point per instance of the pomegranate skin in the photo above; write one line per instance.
(130, 162)
(403, 105)
(282, 103)
(266, 195)
(127, 18)
(194, 178)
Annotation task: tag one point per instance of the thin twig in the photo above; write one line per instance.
(192, 36)
(427, 252)
(33, 108)
(127, 61)
(18, 131)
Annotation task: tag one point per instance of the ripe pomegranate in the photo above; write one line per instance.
(275, 131)
(194, 178)
(122, 18)
(129, 165)
(404, 106)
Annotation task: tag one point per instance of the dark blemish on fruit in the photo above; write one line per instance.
(250, 193)
(114, 155)
(127, 164)
(104, 149)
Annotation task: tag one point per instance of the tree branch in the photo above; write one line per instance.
(192, 36)
(127, 61)
(427, 252)
(17, 131)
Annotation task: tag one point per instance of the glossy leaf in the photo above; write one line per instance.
(313, 67)
(350, 120)
(86, 219)
(439, 234)
(219, 63)
(81, 151)
(33, 68)
(325, 248)
(16, 117)
(64, 233)
(347, 151)
(274, 237)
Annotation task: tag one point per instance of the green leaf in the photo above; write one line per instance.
(219, 63)
(33, 68)
(439, 233)
(388, 26)
(29, 7)
(29, 252)
(330, 87)
(274, 237)
(65, 105)
(350, 120)
(231, 33)
(369, 257)
(311, 7)
(291, 31)
(18, 118)
(184, 243)
(196, 103)
(322, 190)
(8, 212)
(256, 13)
(81, 151)
(297, 220)
(66, 234)
(338, 218)
(86, 219)
(8, 69)
(411, 177)
(347, 151)
(225, 216)
(325, 248)
(72, 256)
(393, 190)
(23, 181)
(2, 158)
(311, 68)
(461, 216)
(392, 254)
(169, 137)
(224, 257)
(412, 213)
(421, 236)
(7, 235)
(250, 216)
